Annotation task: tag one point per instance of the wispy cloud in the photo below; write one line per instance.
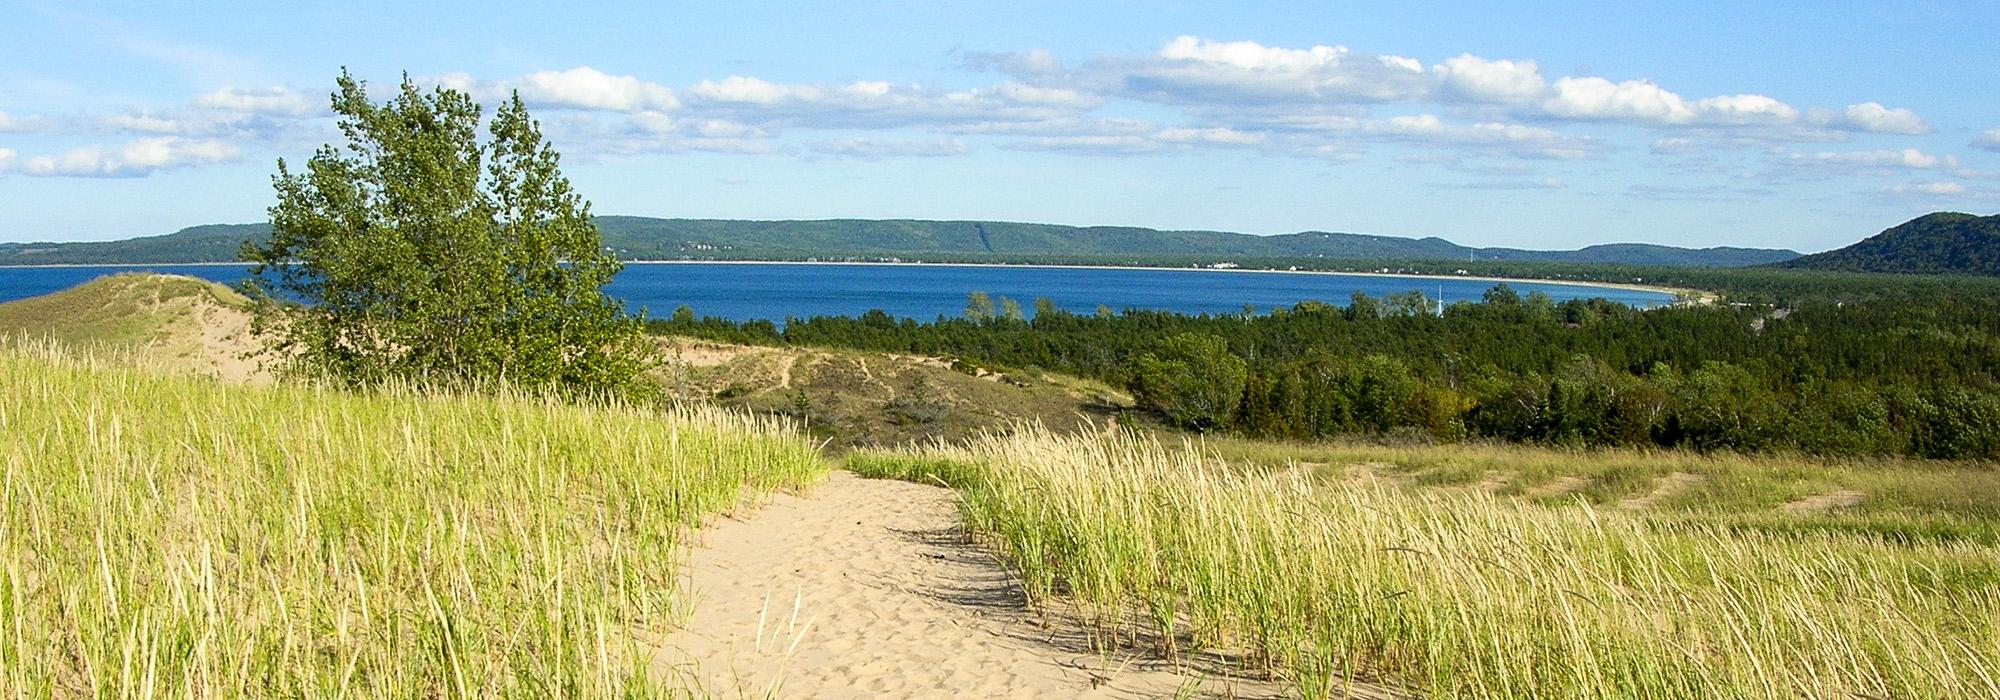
(1929, 188)
(1871, 161)
(277, 100)
(12, 124)
(132, 159)
(1988, 141)
(873, 149)
(197, 63)
(1547, 183)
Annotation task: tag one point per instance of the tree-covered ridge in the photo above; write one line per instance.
(1940, 243)
(645, 238)
(1917, 372)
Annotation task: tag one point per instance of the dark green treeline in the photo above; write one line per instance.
(1896, 374)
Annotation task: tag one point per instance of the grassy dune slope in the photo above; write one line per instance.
(167, 321)
(855, 398)
(1901, 499)
(1457, 592)
(173, 536)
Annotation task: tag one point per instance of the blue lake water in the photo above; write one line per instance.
(743, 291)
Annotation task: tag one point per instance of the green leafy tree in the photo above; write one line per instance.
(420, 252)
(1046, 309)
(1193, 379)
(1361, 306)
(979, 306)
(1010, 310)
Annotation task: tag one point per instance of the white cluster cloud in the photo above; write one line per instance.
(1193, 70)
(1873, 117)
(588, 88)
(1597, 98)
(1476, 79)
(1321, 101)
(582, 87)
(131, 159)
(738, 89)
(1231, 74)
(274, 101)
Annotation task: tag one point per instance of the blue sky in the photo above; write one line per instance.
(1803, 125)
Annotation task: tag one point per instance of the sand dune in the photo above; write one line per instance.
(865, 589)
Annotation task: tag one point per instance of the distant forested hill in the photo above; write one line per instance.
(642, 238)
(195, 244)
(1941, 243)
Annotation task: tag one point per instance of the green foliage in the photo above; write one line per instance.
(1010, 310)
(1193, 379)
(978, 306)
(422, 253)
(1954, 423)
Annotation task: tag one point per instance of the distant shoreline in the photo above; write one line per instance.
(1678, 294)
(1675, 292)
(58, 266)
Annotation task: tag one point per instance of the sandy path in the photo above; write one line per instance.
(1559, 486)
(890, 601)
(1666, 487)
(1843, 498)
(785, 372)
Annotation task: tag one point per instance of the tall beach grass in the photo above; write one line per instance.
(169, 536)
(1460, 593)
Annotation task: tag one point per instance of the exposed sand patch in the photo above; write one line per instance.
(890, 601)
(702, 354)
(1559, 486)
(887, 388)
(922, 360)
(1666, 487)
(226, 343)
(1844, 498)
(1493, 481)
(785, 372)
(1374, 473)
